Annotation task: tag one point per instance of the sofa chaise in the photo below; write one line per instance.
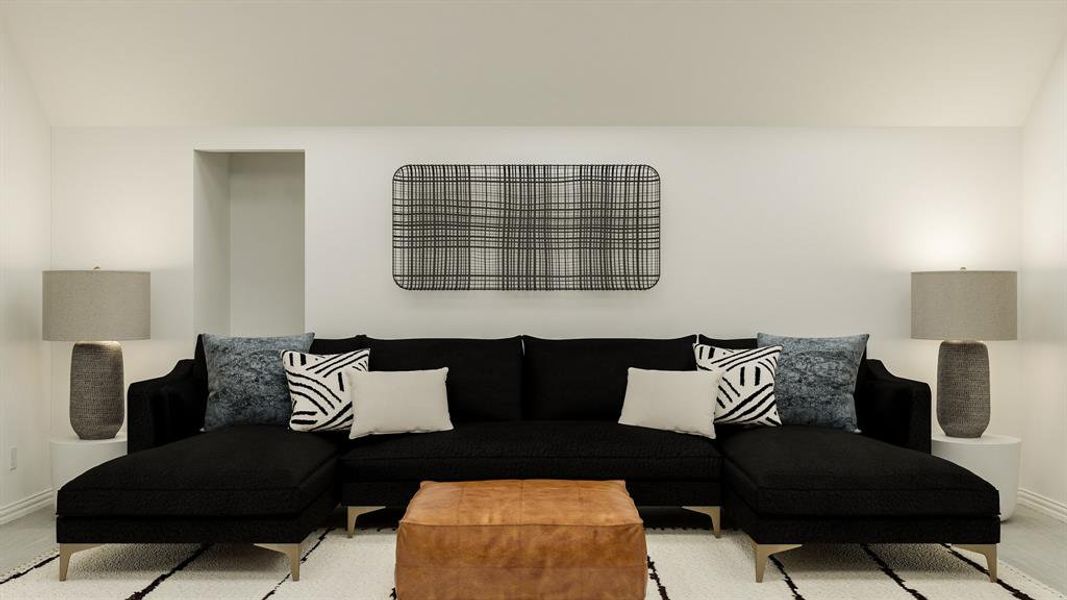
(522, 408)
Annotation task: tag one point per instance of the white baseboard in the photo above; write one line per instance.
(23, 507)
(1043, 504)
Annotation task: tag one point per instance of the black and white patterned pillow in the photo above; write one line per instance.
(317, 389)
(746, 390)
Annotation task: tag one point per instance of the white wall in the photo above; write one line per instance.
(248, 243)
(1043, 293)
(789, 230)
(211, 242)
(266, 243)
(128, 218)
(25, 239)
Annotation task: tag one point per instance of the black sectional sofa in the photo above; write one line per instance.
(525, 407)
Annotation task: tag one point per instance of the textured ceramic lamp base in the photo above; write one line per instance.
(96, 409)
(963, 388)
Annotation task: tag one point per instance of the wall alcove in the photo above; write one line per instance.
(248, 242)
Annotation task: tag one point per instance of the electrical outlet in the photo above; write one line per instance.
(14, 464)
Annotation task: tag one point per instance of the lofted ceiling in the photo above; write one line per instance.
(319, 62)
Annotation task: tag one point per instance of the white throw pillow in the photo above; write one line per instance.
(746, 392)
(398, 402)
(681, 401)
(321, 401)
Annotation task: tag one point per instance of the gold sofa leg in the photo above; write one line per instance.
(65, 552)
(290, 550)
(354, 512)
(764, 551)
(989, 551)
(715, 512)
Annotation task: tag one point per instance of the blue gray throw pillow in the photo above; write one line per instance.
(816, 379)
(246, 380)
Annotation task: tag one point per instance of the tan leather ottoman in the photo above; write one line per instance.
(521, 539)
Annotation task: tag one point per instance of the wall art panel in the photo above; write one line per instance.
(526, 227)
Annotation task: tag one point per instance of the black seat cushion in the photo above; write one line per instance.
(533, 450)
(240, 471)
(817, 472)
(582, 379)
(484, 376)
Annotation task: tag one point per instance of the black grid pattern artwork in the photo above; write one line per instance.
(526, 227)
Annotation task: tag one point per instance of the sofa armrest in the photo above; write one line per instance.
(893, 409)
(165, 409)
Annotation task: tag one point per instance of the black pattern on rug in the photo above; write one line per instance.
(29, 569)
(656, 578)
(788, 580)
(138, 595)
(891, 573)
(653, 576)
(1015, 592)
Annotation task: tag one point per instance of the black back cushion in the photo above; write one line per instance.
(585, 379)
(484, 376)
(200, 360)
(338, 345)
(732, 344)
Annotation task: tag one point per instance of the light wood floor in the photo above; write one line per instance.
(23, 540)
(1031, 541)
(1036, 544)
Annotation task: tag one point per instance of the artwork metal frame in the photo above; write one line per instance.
(526, 227)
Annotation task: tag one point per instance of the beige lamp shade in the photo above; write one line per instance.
(96, 305)
(964, 305)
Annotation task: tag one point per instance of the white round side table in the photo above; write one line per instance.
(994, 458)
(72, 456)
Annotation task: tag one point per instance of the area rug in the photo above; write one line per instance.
(682, 564)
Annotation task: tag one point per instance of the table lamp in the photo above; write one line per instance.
(961, 308)
(95, 309)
